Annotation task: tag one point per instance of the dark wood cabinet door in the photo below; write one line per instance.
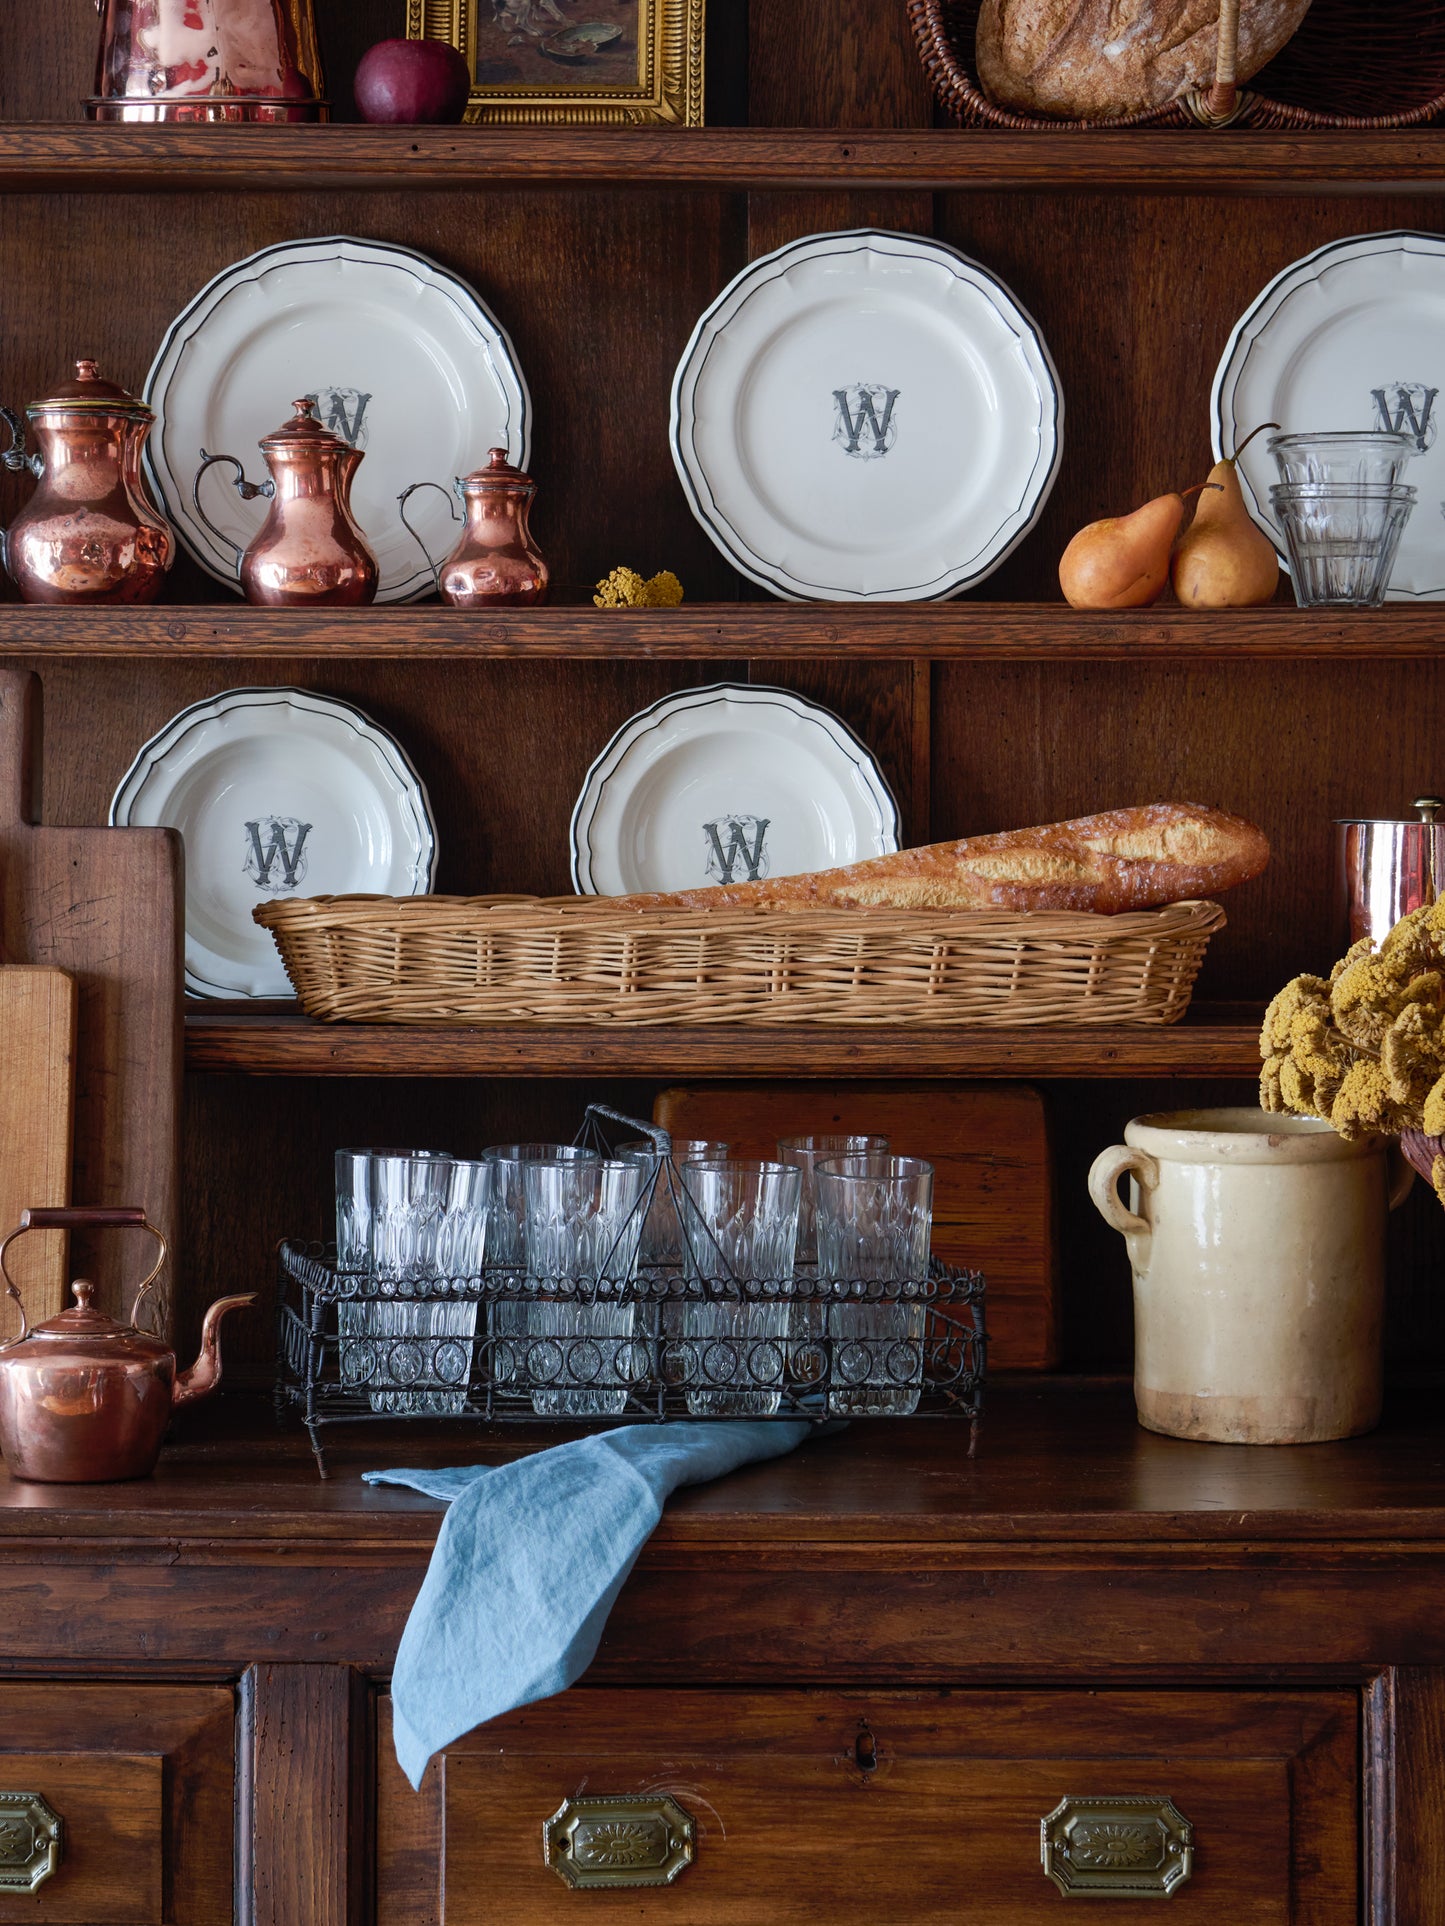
(925, 1807)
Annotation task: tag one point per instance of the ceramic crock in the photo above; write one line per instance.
(1258, 1249)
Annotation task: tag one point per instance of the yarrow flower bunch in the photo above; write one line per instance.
(1365, 1049)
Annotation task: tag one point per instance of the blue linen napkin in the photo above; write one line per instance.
(528, 1564)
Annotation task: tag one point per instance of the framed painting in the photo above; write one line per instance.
(587, 62)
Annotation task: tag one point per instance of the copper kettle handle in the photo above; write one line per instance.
(401, 501)
(248, 491)
(83, 1217)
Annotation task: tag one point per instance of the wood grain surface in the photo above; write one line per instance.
(304, 1751)
(104, 905)
(992, 1198)
(950, 1806)
(37, 1114)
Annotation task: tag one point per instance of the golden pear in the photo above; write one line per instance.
(1223, 561)
(1123, 561)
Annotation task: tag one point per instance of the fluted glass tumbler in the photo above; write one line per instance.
(661, 1245)
(506, 1251)
(582, 1227)
(1342, 540)
(740, 1223)
(875, 1227)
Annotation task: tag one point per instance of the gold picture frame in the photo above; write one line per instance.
(514, 47)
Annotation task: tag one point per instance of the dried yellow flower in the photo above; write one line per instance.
(624, 588)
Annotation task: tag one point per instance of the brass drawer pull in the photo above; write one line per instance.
(1117, 1848)
(30, 1840)
(643, 1841)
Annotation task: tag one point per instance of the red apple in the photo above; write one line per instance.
(406, 81)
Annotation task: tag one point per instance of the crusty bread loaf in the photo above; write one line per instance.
(1094, 59)
(1125, 859)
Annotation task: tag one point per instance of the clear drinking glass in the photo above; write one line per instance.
(806, 1326)
(875, 1225)
(404, 1220)
(661, 1232)
(739, 1222)
(1342, 540)
(583, 1225)
(1349, 458)
(506, 1251)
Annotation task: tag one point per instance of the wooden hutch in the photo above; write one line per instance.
(868, 1670)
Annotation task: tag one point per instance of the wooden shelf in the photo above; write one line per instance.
(275, 1041)
(944, 631)
(74, 156)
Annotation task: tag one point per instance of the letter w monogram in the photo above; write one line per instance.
(1419, 425)
(289, 858)
(337, 419)
(737, 849)
(866, 416)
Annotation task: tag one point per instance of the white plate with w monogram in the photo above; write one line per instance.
(400, 358)
(866, 416)
(1352, 336)
(726, 784)
(276, 792)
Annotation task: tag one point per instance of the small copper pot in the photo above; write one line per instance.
(90, 532)
(84, 1400)
(225, 60)
(310, 552)
(496, 564)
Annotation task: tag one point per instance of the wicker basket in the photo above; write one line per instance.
(1350, 64)
(569, 960)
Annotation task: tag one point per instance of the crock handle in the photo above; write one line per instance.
(1108, 1167)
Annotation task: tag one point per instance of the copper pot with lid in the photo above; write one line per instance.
(1385, 868)
(90, 532)
(310, 551)
(496, 564)
(207, 60)
(83, 1399)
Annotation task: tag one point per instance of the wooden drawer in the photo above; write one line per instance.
(792, 1826)
(143, 1779)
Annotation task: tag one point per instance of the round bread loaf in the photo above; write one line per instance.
(1095, 59)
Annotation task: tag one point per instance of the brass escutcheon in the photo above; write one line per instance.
(1117, 1848)
(31, 1832)
(646, 1840)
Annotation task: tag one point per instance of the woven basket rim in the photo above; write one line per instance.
(599, 914)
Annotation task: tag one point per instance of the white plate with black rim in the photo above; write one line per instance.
(401, 359)
(866, 416)
(276, 792)
(1349, 337)
(728, 784)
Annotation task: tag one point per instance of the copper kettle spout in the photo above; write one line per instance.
(205, 1374)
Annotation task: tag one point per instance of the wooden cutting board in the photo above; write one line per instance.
(105, 905)
(992, 1199)
(37, 1099)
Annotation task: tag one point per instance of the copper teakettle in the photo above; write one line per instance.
(89, 533)
(496, 564)
(191, 60)
(310, 552)
(84, 1400)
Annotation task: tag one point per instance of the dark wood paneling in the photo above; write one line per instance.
(304, 1746)
(833, 63)
(1415, 1842)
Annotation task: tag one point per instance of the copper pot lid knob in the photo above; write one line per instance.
(1428, 808)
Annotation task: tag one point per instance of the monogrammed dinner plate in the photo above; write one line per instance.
(401, 358)
(276, 792)
(1352, 336)
(866, 416)
(727, 784)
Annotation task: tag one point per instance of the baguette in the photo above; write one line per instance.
(1124, 859)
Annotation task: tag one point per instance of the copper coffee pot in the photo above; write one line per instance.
(310, 552)
(496, 563)
(89, 532)
(84, 1400)
(188, 60)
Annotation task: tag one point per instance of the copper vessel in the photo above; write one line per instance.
(89, 533)
(310, 552)
(189, 60)
(84, 1400)
(496, 564)
(1385, 869)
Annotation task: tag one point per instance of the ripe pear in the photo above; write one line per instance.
(1123, 561)
(1223, 561)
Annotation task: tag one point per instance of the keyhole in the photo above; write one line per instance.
(865, 1751)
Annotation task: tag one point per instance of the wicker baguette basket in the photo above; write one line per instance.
(569, 960)
(1351, 63)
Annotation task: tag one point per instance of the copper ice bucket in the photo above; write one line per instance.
(207, 60)
(1386, 869)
